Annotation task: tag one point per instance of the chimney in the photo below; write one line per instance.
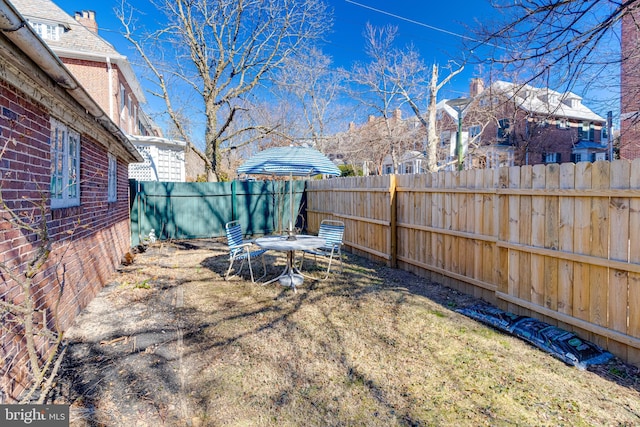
(397, 114)
(88, 19)
(476, 87)
(371, 118)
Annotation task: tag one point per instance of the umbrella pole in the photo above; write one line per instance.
(291, 203)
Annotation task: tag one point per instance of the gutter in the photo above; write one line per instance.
(18, 30)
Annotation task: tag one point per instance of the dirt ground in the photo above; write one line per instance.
(169, 342)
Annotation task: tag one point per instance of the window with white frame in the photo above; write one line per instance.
(47, 31)
(586, 131)
(65, 166)
(474, 131)
(552, 157)
(600, 156)
(123, 100)
(113, 179)
(445, 137)
(504, 131)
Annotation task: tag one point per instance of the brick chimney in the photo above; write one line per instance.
(476, 87)
(88, 19)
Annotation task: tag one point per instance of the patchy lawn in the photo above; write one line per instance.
(169, 342)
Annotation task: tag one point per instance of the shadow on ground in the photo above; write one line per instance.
(170, 342)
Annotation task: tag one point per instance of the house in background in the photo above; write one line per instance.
(60, 149)
(411, 161)
(164, 159)
(381, 145)
(509, 124)
(109, 78)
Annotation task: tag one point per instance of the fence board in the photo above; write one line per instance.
(581, 243)
(565, 241)
(551, 236)
(525, 223)
(599, 292)
(538, 225)
(618, 243)
(633, 354)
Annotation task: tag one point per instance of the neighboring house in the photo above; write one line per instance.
(63, 151)
(630, 85)
(508, 124)
(106, 75)
(382, 145)
(163, 159)
(410, 161)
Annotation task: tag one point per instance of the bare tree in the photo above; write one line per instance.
(221, 51)
(25, 319)
(308, 82)
(430, 123)
(378, 86)
(559, 43)
(396, 77)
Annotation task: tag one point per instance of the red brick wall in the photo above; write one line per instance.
(630, 86)
(88, 241)
(94, 77)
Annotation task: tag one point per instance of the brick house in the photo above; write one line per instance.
(630, 85)
(109, 78)
(381, 145)
(508, 124)
(61, 153)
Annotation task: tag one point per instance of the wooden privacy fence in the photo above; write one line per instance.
(556, 242)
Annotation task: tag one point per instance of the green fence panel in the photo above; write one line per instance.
(176, 210)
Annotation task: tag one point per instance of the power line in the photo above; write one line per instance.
(422, 24)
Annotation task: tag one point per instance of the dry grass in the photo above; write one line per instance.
(373, 346)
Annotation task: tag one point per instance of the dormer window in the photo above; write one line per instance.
(47, 31)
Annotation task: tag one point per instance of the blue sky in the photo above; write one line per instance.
(435, 28)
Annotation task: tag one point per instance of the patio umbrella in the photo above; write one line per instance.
(289, 161)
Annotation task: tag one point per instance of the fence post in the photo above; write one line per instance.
(393, 210)
(234, 208)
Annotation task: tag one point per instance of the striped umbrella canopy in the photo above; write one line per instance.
(292, 161)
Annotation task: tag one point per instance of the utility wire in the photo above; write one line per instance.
(422, 24)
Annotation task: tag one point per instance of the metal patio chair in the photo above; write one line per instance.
(240, 249)
(332, 231)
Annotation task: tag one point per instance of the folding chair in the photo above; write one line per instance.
(240, 249)
(332, 231)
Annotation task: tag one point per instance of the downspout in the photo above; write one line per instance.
(110, 76)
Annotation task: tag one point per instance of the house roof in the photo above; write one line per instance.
(14, 27)
(544, 101)
(77, 42)
(156, 140)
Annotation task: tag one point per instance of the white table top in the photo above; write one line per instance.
(280, 243)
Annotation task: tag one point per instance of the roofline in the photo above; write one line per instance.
(120, 60)
(17, 29)
(141, 139)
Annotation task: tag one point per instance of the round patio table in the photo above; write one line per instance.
(290, 276)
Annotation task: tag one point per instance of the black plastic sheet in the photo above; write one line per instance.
(562, 344)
